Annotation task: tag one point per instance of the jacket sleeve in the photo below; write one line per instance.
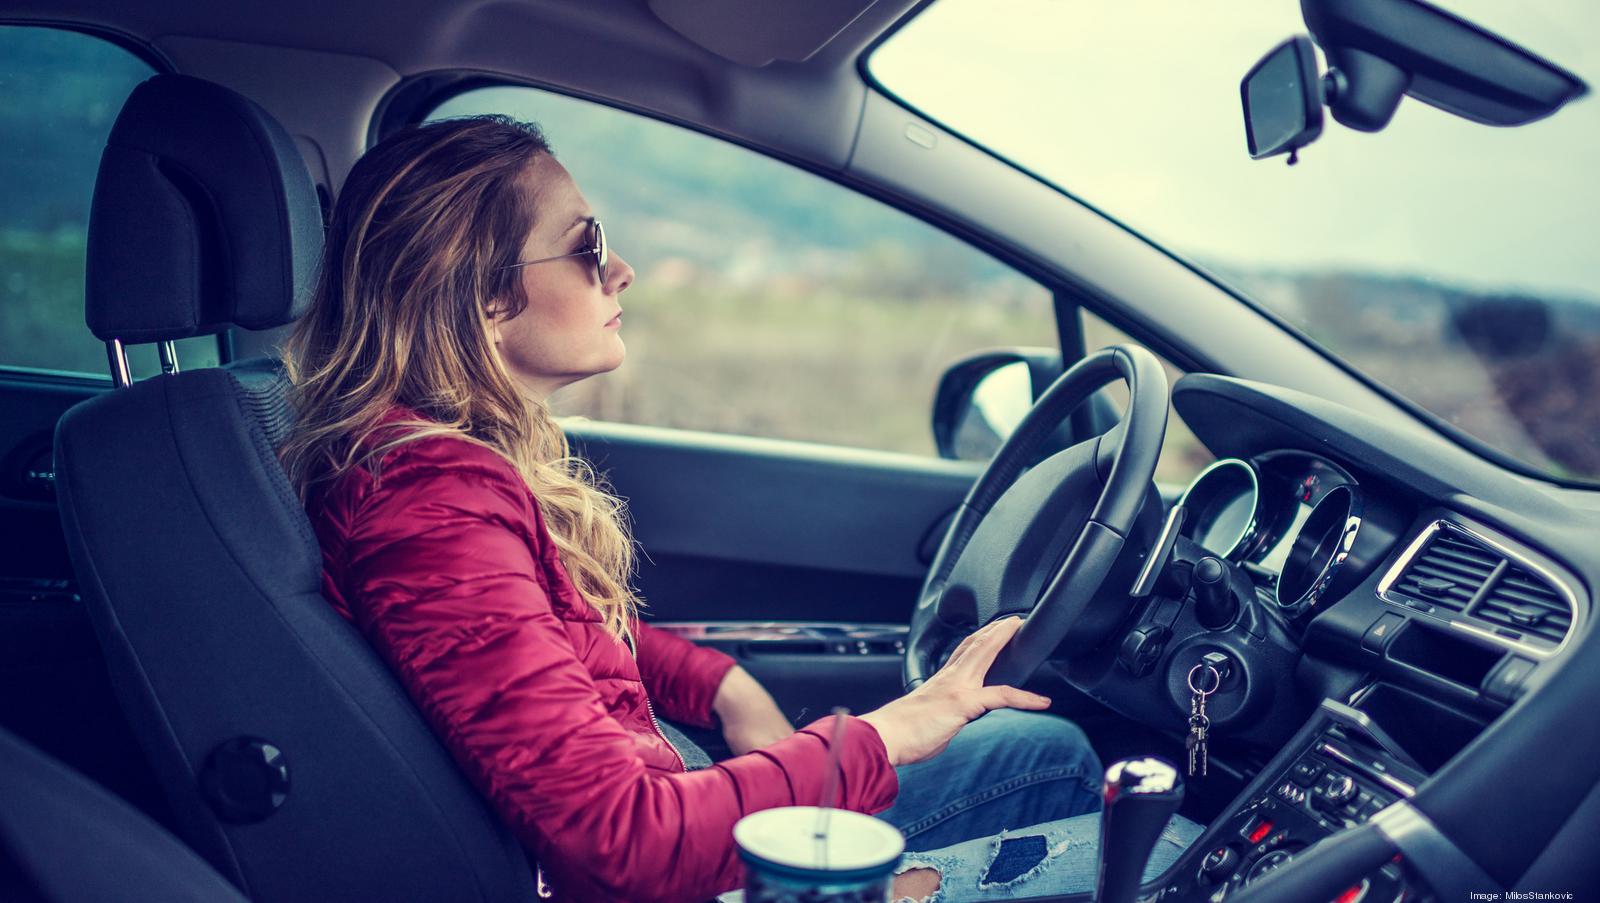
(442, 578)
(680, 677)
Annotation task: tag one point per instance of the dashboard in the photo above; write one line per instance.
(1413, 594)
(1290, 518)
(1337, 521)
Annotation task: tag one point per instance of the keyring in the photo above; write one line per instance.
(1214, 688)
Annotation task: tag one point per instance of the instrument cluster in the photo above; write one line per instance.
(1289, 518)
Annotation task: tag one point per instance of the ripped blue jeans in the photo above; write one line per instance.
(1011, 810)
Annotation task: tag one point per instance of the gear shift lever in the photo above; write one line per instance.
(1141, 795)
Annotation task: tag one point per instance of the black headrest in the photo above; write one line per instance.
(204, 217)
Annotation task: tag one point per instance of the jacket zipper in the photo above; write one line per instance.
(541, 887)
(663, 735)
(682, 765)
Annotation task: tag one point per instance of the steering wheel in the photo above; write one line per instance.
(1042, 543)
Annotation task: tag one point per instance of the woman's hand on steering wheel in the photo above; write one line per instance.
(920, 724)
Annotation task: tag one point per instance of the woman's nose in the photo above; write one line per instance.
(619, 275)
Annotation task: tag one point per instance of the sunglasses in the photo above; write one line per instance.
(597, 247)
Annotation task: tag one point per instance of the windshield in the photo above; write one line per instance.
(1444, 259)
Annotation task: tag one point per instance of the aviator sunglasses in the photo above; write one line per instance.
(597, 247)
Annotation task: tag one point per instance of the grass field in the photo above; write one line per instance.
(841, 365)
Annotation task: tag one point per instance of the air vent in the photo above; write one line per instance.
(1449, 572)
(1526, 603)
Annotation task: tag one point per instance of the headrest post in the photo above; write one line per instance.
(119, 364)
(169, 356)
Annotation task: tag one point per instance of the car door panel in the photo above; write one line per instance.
(29, 408)
(824, 516)
(738, 532)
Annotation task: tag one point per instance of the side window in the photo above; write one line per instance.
(62, 90)
(769, 301)
(1182, 455)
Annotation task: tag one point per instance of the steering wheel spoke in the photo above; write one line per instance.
(999, 556)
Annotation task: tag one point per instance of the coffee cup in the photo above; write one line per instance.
(801, 854)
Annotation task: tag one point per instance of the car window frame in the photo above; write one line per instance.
(159, 63)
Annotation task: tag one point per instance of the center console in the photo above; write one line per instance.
(1338, 771)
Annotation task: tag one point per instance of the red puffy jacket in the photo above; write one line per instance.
(446, 566)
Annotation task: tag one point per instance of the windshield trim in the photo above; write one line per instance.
(1439, 425)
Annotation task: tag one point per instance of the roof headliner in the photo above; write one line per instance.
(416, 35)
(324, 67)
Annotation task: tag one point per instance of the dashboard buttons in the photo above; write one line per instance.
(1267, 864)
(1268, 845)
(1355, 807)
(1306, 771)
(1504, 683)
(1257, 829)
(1291, 793)
(1218, 864)
(1381, 631)
(1142, 648)
(1334, 790)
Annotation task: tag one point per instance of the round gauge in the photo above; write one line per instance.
(1223, 507)
(1319, 549)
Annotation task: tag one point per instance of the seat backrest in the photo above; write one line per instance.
(293, 760)
(65, 839)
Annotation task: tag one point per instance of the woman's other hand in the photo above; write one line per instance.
(921, 723)
(750, 717)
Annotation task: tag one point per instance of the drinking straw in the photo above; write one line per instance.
(830, 786)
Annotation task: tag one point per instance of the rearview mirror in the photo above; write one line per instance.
(1379, 51)
(1282, 100)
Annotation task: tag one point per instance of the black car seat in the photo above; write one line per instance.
(294, 762)
(65, 839)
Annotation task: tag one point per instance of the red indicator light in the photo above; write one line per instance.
(1259, 832)
(1354, 893)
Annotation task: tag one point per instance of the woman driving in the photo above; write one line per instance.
(465, 279)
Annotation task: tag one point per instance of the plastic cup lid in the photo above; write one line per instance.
(787, 836)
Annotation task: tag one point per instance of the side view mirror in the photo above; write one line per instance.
(983, 397)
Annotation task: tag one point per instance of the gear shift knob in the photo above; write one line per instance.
(1141, 796)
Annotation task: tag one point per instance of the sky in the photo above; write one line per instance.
(1133, 106)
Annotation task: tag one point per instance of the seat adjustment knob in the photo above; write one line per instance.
(245, 779)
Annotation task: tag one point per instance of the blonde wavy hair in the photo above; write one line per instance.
(411, 275)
